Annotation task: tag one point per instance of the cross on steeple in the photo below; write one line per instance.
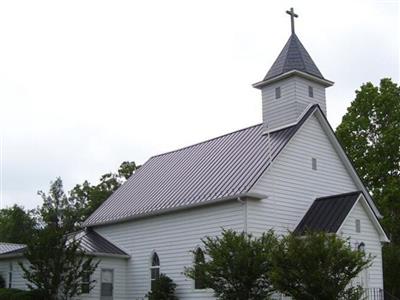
(292, 16)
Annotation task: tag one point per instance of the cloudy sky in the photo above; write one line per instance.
(85, 85)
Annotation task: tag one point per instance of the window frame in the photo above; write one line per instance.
(278, 92)
(85, 284)
(198, 286)
(154, 268)
(310, 91)
(101, 283)
(10, 275)
(358, 225)
(314, 163)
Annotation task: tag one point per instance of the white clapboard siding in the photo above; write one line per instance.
(293, 101)
(292, 185)
(18, 282)
(172, 236)
(119, 267)
(370, 237)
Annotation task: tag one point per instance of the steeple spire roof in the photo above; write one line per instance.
(293, 57)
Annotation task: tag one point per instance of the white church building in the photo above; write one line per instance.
(287, 173)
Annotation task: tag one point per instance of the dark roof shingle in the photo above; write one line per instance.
(327, 213)
(293, 57)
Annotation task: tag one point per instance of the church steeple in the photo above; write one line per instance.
(293, 83)
(293, 57)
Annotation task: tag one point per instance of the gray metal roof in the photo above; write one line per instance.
(6, 248)
(328, 213)
(219, 168)
(94, 243)
(293, 57)
(90, 242)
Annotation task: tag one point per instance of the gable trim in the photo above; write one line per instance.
(346, 161)
(326, 127)
(371, 216)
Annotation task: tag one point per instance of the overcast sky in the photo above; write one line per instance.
(85, 85)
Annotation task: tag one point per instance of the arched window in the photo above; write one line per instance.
(154, 269)
(199, 275)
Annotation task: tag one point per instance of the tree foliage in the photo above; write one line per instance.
(90, 197)
(163, 289)
(16, 224)
(370, 134)
(238, 265)
(317, 265)
(56, 263)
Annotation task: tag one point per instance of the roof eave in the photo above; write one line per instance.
(322, 81)
(242, 196)
(10, 255)
(111, 255)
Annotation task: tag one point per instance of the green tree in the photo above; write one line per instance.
(89, 197)
(317, 265)
(57, 265)
(163, 289)
(370, 134)
(237, 267)
(16, 224)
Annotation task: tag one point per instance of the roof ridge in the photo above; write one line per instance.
(205, 141)
(338, 195)
(298, 46)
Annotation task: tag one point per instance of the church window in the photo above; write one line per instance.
(10, 276)
(314, 163)
(277, 92)
(358, 225)
(107, 283)
(199, 274)
(311, 91)
(85, 286)
(154, 269)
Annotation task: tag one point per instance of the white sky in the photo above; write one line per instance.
(85, 85)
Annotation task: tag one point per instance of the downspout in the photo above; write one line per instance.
(244, 203)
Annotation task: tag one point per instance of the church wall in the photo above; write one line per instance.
(172, 236)
(119, 267)
(18, 282)
(292, 185)
(370, 237)
(292, 103)
(118, 264)
(302, 97)
(281, 111)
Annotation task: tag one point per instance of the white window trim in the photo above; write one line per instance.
(101, 280)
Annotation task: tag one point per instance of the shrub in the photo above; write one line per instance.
(163, 289)
(2, 282)
(238, 265)
(317, 265)
(15, 294)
